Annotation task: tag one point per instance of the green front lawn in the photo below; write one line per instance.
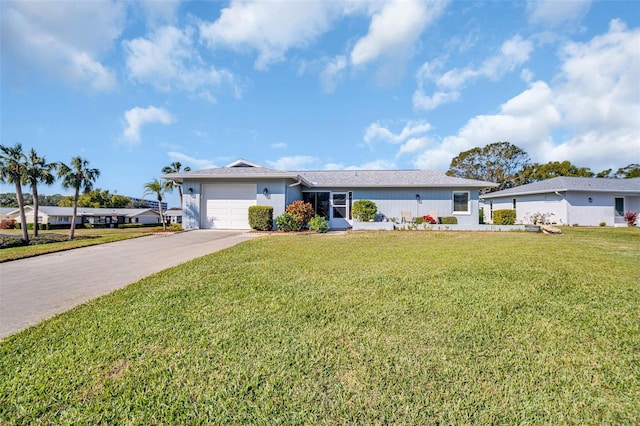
(363, 328)
(83, 238)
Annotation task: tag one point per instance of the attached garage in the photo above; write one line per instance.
(226, 206)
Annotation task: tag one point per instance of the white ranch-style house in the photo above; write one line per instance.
(219, 198)
(61, 216)
(569, 200)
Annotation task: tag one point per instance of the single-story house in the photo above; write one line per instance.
(173, 215)
(4, 213)
(219, 198)
(61, 216)
(569, 200)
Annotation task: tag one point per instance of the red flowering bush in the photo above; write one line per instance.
(631, 218)
(430, 219)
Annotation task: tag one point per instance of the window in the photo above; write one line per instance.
(619, 204)
(461, 202)
(319, 201)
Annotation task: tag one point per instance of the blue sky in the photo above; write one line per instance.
(134, 86)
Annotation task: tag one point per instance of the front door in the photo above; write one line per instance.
(340, 210)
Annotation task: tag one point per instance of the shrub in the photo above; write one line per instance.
(449, 220)
(287, 222)
(631, 218)
(364, 210)
(419, 220)
(603, 224)
(430, 219)
(7, 224)
(303, 212)
(261, 218)
(319, 224)
(504, 217)
(9, 242)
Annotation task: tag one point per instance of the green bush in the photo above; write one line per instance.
(504, 217)
(303, 212)
(288, 222)
(419, 220)
(319, 224)
(261, 218)
(448, 220)
(364, 210)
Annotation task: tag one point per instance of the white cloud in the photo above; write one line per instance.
(387, 38)
(332, 73)
(513, 53)
(138, 117)
(271, 28)
(376, 131)
(279, 145)
(190, 161)
(553, 13)
(159, 12)
(299, 162)
(589, 116)
(63, 39)
(168, 61)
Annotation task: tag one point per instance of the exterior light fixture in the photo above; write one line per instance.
(590, 200)
(190, 191)
(265, 192)
(418, 197)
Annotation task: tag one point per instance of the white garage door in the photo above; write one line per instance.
(226, 206)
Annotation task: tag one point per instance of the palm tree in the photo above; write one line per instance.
(79, 175)
(175, 168)
(38, 170)
(13, 170)
(158, 188)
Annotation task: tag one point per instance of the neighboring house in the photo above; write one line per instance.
(570, 200)
(219, 198)
(61, 216)
(4, 212)
(173, 215)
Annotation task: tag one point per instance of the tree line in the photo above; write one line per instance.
(510, 166)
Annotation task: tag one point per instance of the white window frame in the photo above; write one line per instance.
(453, 203)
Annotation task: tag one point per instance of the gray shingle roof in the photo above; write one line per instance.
(563, 183)
(338, 178)
(387, 178)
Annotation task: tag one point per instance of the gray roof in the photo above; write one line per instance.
(580, 184)
(387, 178)
(337, 178)
(89, 211)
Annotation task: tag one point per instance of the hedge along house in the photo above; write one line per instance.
(569, 200)
(220, 198)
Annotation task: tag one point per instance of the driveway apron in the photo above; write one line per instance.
(38, 288)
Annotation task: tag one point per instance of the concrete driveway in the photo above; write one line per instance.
(38, 288)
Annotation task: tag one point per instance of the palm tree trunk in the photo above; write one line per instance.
(23, 216)
(180, 195)
(72, 231)
(35, 209)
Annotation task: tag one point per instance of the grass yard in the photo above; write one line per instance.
(363, 328)
(84, 238)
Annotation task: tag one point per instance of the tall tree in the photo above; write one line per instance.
(158, 188)
(628, 172)
(175, 168)
(38, 170)
(13, 169)
(77, 176)
(537, 172)
(498, 162)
